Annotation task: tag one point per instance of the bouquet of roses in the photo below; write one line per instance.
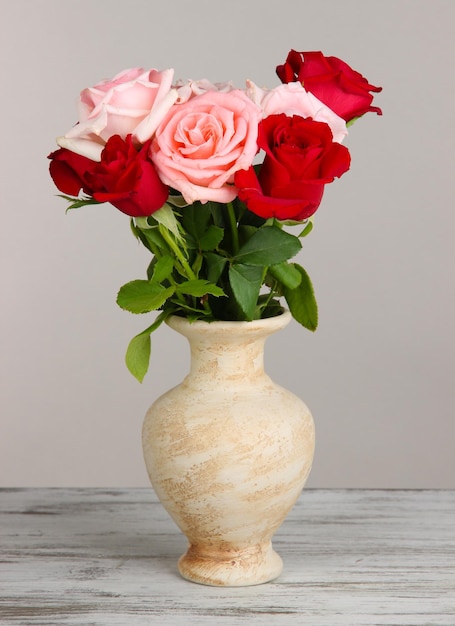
(220, 183)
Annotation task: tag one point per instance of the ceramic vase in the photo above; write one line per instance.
(228, 452)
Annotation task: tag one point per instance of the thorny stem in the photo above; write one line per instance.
(178, 253)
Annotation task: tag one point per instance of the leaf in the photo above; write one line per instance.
(201, 235)
(137, 355)
(246, 282)
(195, 219)
(166, 217)
(215, 266)
(216, 213)
(142, 296)
(245, 233)
(77, 203)
(302, 302)
(268, 246)
(286, 274)
(351, 122)
(211, 238)
(177, 201)
(308, 228)
(143, 223)
(199, 287)
(154, 238)
(162, 268)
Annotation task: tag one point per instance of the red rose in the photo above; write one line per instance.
(301, 157)
(332, 81)
(69, 171)
(125, 177)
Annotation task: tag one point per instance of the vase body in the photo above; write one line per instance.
(228, 452)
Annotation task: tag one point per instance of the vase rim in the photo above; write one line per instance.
(269, 324)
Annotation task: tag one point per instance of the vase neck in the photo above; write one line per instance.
(227, 358)
(228, 351)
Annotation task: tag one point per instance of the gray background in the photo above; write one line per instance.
(377, 375)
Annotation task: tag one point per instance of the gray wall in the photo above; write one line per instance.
(377, 375)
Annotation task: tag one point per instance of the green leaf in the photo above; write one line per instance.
(351, 122)
(245, 233)
(286, 274)
(155, 239)
(216, 211)
(137, 355)
(302, 302)
(246, 282)
(215, 266)
(143, 223)
(268, 246)
(77, 203)
(162, 268)
(201, 235)
(177, 201)
(195, 219)
(142, 296)
(308, 228)
(166, 217)
(199, 287)
(211, 238)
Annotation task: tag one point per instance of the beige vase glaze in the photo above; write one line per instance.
(228, 452)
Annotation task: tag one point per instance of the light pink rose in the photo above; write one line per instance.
(191, 88)
(293, 99)
(133, 102)
(200, 144)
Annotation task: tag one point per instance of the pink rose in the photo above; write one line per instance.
(200, 144)
(133, 102)
(293, 99)
(192, 88)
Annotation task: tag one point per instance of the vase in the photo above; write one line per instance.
(228, 452)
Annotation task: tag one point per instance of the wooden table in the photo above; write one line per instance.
(104, 557)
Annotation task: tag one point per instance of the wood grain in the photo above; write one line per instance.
(105, 557)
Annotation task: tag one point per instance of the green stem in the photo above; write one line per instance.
(182, 260)
(234, 230)
(270, 297)
(178, 253)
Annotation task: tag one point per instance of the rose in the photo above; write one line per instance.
(293, 99)
(331, 80)
(69, 171)
(133, 102)
(200, 144)
(301, 157)
(192, 88)
(125, 177)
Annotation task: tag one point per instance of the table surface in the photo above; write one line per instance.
(109, 556)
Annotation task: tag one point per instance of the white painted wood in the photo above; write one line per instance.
(109, 557)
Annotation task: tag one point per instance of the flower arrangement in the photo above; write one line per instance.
(220, 183)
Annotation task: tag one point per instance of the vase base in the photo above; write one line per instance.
(231, 567)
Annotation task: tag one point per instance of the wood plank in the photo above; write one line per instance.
(105, 557)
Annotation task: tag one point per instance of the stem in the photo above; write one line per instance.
(178, 253)
(270, 297)
(233, 225)
(182, 260)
